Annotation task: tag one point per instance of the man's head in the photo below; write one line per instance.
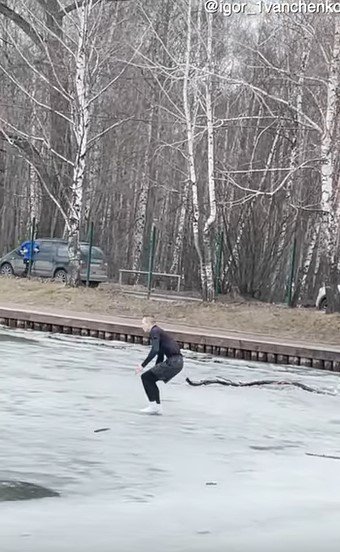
(148, 322)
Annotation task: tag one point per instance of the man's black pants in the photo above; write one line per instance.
(164, 371)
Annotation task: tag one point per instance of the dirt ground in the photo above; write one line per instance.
(258, 318)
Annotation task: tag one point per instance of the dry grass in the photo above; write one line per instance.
(251, 317)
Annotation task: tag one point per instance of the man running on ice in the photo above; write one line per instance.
(164, 370)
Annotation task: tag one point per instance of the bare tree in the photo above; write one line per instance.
(229, 124)
(82, 43)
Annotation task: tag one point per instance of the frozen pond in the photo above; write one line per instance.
(142, 486)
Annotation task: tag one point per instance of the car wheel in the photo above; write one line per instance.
(60, 275)
(323, 304)
(6, 270)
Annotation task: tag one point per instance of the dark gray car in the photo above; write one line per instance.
(52, 261)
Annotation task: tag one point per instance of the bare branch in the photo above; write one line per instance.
(31, 138)
(24, 25)
(32, 156)
(78, 4)
(34, 69)
(29, 95)
(106, 130)
(103, 90)
(282, 183)
(51, 32)
(263, 93)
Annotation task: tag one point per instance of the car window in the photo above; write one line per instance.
(62, 251)
(96, 253)
(45, 246)
(46, 249)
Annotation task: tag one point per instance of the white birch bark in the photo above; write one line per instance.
(142, 201)
(190, 145)
(210, 289)
(81, 137)
(35, 194)
(330, 222)
(34, 186)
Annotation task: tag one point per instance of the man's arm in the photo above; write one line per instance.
(23, 249)
(160, 358)
(155, 344)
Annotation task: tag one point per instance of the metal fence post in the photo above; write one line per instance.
(151, 257)
(291, 276)
(219, 262)
(88, 274)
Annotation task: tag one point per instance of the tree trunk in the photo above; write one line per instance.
(142, 194)
(81, 137)
(207, 237)
(191, 151)
(330, 224)
(177, 253)
(35, 195)
(60, 133)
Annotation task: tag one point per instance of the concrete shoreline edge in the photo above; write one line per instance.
(215, 342)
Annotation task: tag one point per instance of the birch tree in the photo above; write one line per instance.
(329, 194)
(82, 45)
(244, 134)
(207, 231)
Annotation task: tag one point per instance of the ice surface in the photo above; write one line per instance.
(144, 485)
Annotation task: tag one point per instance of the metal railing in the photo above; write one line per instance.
(178, 277)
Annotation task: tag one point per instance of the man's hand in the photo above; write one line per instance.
(139, 370)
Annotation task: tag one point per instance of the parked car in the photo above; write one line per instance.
(321, 301)
(52, 261)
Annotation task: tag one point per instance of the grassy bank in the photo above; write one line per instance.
(252, 317)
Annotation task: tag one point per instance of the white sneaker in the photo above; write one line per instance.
(153, 408)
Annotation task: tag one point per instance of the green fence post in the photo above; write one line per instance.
(30, 262)
(219, 262)
(291, 276)
(88, 274)
(151, 257)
